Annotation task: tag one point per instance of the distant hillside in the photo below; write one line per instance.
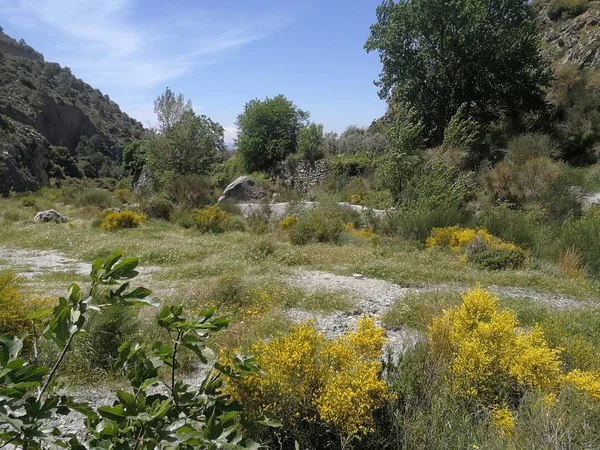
(52, 124)
(571, 30)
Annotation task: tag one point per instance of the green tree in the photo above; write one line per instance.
(135, 156)
(268, 132)
(170, 108)
(185, 144)
(191, 146)
(439, 54)
(310, 141)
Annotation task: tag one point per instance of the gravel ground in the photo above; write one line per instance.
(32, 263)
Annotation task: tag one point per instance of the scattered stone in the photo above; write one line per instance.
(242, 189)
(50, 215)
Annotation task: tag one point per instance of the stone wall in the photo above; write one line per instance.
(301, 175)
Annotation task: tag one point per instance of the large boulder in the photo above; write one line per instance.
(242, 190)
(50, 215)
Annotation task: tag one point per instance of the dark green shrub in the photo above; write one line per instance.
(525, 228)
(192, 191)
(499, 259)
(566, 9)
(317, 225)
(29, 200)
(158, 208)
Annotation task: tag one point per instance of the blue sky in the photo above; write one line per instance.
(220, 54)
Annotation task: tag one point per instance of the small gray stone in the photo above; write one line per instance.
(50, 215)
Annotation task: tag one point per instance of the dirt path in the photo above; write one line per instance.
(33, 263)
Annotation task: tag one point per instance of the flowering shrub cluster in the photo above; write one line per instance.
(493, 362)
(123, 219)
(17, 313)
(288, 222)
(458, 238)
(212, 219)
(361, 232)
(480, 247)
(308, 379)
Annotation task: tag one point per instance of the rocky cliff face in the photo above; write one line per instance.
(572, 36)
(41, 105)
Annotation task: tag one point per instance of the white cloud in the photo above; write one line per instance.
(110, 42)
(231, 133)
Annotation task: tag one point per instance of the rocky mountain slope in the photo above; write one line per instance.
(52, 124)
(571, 30)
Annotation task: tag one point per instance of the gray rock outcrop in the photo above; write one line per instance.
(243, 189)
(50, 215)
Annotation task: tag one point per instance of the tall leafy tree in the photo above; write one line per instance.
(170, 108)
(187, 144)
(268, 132)
(440, 54)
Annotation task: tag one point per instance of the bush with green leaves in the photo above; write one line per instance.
(499, 258)
(406, 138)
(322, 224)
(583, 235)
(29, 201)
(310, 142)
(158, 208)
(417, 224)
(179, 416)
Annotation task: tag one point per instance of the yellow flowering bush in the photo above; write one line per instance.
(15, 309)
(307, 378)
(479, 247)
(361, 233)
(123, 219)
(491, 360)
(212, 219)
(288, 222)
(588, 382)
(503, 420)
(123, 194)
(457, 238)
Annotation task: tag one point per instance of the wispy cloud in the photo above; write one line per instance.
(113, 41)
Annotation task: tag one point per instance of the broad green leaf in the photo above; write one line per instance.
(115, 413)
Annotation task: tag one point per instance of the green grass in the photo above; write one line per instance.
(328, 302)
(417, 309)
(188, 255)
